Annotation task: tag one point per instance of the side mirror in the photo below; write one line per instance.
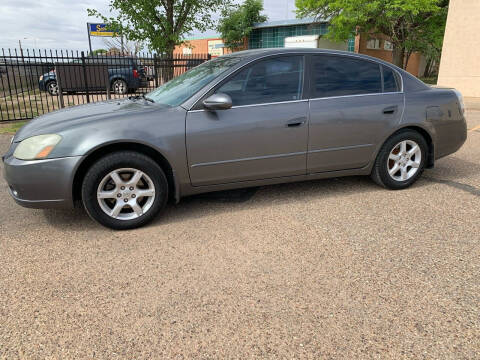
(218, 102)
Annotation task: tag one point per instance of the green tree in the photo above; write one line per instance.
(408, 23)
(98, 52)
(236, 23)
(431, 41)
(161, 24)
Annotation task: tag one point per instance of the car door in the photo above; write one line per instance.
(354, 103)
(263, 135)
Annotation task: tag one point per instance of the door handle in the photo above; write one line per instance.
(390, 110)
(297, 122)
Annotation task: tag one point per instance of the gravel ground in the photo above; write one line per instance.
(326, 269)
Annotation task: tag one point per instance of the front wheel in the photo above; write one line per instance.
(124, 190)
(401, 160)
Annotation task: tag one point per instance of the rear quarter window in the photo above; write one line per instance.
(391, 80)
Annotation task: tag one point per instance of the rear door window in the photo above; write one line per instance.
(343, 76)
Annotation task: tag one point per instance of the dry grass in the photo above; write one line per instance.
(11, 128)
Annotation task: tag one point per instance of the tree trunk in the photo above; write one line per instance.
(428, 68)
(407, 58)
(398, 55)
(167, 66)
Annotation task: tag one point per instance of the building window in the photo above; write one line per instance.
(351, 44)
(274, 37)
(388, 45)
(373, 44)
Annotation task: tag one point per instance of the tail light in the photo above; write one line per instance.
(136, 74)
(461, 104)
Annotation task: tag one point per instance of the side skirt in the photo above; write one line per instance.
(188, 189)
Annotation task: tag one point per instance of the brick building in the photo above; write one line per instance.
(378, 46)
(275, 34)
(212, 46)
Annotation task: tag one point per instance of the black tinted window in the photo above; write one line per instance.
(272, 80)
(391, 82)
(338, 76)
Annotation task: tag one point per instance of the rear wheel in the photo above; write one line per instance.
(401, 160)
(124, 190)
(52, 88)
(120, 87)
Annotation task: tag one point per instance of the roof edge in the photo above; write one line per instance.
(289, 22)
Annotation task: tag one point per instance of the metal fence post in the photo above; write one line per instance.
(9, 92)
(84, 67)
(155, 66)
(59, 87)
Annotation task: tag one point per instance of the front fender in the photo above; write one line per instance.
(162, 131)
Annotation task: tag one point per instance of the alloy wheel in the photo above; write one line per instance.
(126, 194)
(53, 88)
(404, 160)
(119, 87)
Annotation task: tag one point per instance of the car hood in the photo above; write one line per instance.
(60, 120)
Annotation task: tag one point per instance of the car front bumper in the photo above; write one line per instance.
(41, 183)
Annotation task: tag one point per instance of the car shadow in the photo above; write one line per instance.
(197, 206)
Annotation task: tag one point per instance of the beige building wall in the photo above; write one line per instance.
(460, 63)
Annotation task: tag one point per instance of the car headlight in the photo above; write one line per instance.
(36, 147)
(41, 77)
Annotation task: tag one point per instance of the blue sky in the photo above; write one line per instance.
(61, 24)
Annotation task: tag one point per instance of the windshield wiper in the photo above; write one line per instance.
(142, 96)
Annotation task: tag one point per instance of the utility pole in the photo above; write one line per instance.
(89, 40)
(21, 50)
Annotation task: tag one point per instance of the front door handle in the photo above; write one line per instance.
(390, 110)
(297, 122)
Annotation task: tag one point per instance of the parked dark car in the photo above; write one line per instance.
(125, 74)
(246, 119)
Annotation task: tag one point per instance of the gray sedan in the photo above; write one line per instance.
(247, 119)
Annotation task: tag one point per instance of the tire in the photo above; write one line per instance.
(117, 201)
(120, 87)
(52, 88)
(396, 168)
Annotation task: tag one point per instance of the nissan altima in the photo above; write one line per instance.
(250, 118)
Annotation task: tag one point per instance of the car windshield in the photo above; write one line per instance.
(179, 89)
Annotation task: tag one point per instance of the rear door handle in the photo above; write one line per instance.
(297, 122)
(390, 110)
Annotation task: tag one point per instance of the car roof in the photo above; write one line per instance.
(410, 83)
(257, 53)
